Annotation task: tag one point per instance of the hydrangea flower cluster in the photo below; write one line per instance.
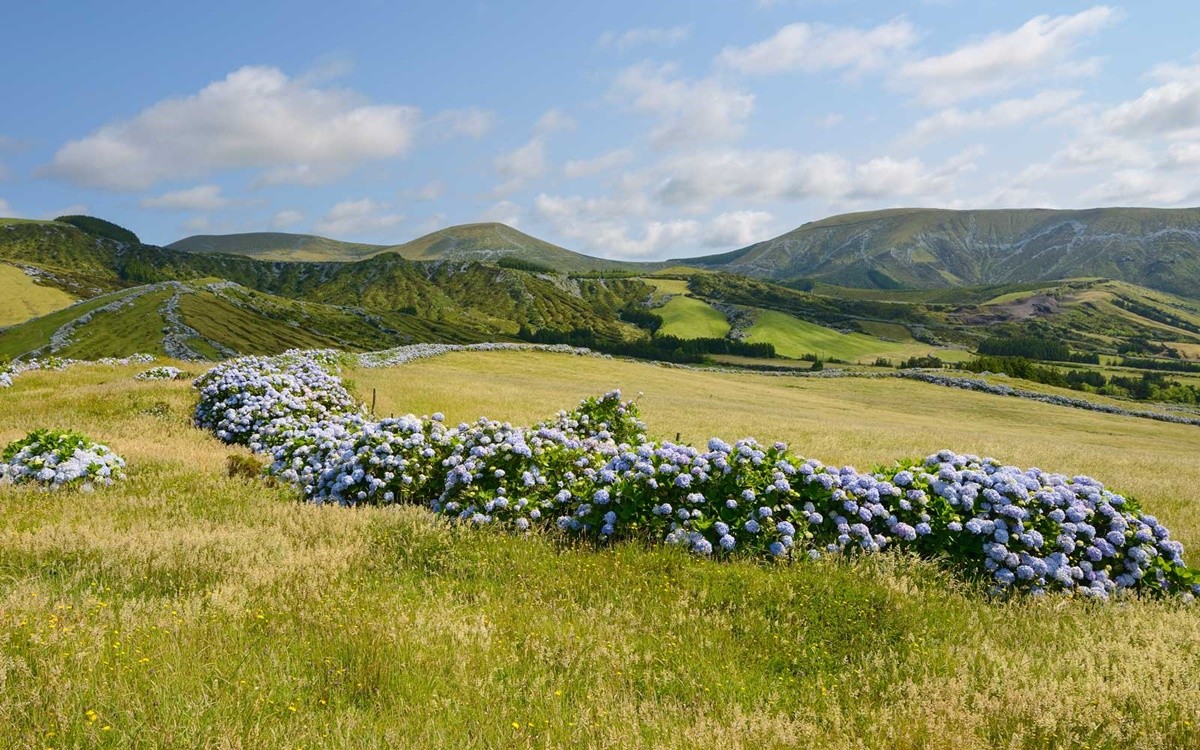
(5, 379)
(254, 400)
(593, 472)
(162, 372)
(57, 459)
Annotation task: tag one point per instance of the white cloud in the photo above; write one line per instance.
(8, 211)
(358, 217)
(519, 166)
(831, 120)
(552, 121)
(196, 224)
(75, 209)
(694, 181)
(503, 212)
(1171, 107)
(430, 191)
(739, 229)
(199, 198)
(431, 224)
(813, 48)
(689, 111)
(644, 35)
(1142, 187)
(472, 122)
(698, 179)
(528, 162)
(578, 168)
(286, 218)
(1043, 47)
(607, 225)
(255, 118)
(1002, 114)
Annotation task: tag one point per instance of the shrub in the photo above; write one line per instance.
(592, 472)
(163, 372)
(57, 459)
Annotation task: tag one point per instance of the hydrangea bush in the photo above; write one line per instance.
(594, 473)
(162, 372)
(57, 459)
(253, 401)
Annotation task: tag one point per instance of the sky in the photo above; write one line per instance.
(634, 130)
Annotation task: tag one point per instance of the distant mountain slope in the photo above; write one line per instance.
(277, 246)
(487, 242)
(932, 248)
(467, 299)
(211, 319)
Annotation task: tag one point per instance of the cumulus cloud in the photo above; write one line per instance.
(358, 217)
(519, 166)
(430, 191)
(528, 161)
(199, 198)
(286, 218)
(607, 225)
(254, 118)
(578, 168)
(738, 229)
(813, 48)
(644, 35)
(1002, 114)
(552, 121)
(8, 211)
(689, 111)
(696, 180)
(503, 212)
(472, 122)
(1042, 47)
(1171, 107)
(1140, 151)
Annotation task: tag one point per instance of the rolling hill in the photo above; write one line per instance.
(934, 248)
(277, 246)
(487, 242)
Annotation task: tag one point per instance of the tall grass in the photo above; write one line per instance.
(189, 609)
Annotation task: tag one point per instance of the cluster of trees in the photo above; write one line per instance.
(1034, 347)
(101, 228)
(641, 317)
(1153, 313)
(1158, 364)
(520, 264)
(1139, 345)
(662, 348)
(1150, 386)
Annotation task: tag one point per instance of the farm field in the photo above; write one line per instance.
(793, 337)
(690, 318)
(184, 604)
(21, 298)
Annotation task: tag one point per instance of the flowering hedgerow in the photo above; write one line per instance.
(57, 459)
(252, 400)
(162, 372)
(593, 472)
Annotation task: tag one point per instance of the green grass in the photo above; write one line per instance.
(137, 327)
(36, 333)
(690, 318)
(186, 609)
(793, 337)
(21, 298)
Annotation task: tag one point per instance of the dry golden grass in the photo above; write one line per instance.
(185, 608)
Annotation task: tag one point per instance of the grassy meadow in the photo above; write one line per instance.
(21, 298)
(185, 608)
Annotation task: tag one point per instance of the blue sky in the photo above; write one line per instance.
(621, 129)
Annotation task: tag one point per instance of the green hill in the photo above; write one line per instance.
(277, 246)
(935, 248)
(488, 242)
